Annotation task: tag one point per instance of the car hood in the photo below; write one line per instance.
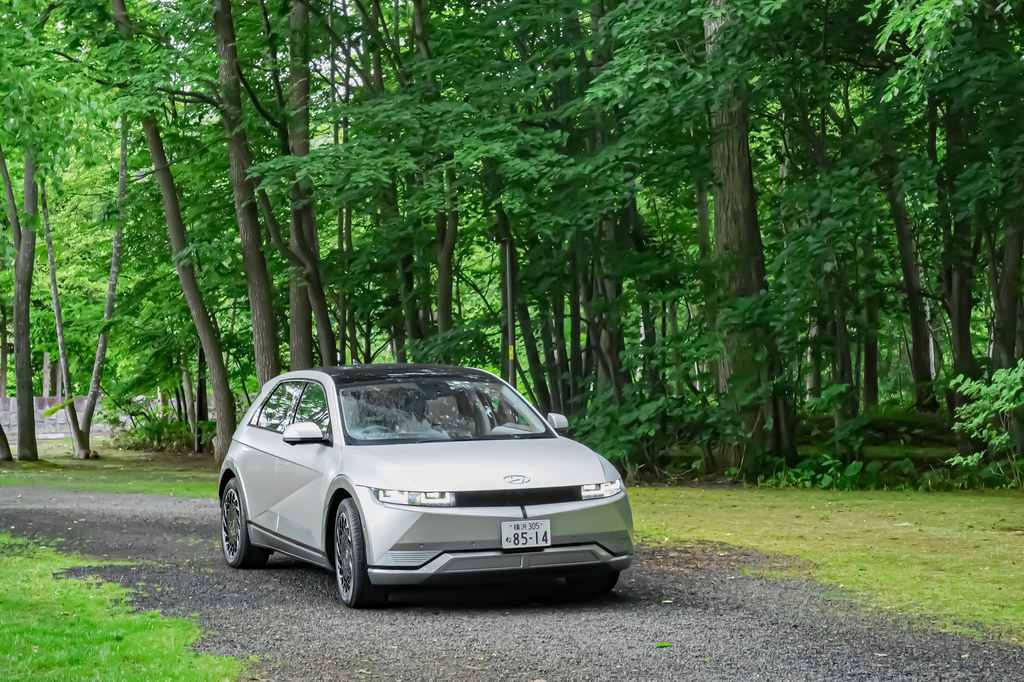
(476, 465)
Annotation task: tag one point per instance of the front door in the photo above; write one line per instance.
(300, 473)
(257, 457)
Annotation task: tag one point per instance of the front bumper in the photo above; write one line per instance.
(414, 545)
(452, 567)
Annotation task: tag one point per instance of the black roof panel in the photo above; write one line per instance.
(356, 374)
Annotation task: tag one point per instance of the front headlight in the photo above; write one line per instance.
(415, 498)
(595, 491)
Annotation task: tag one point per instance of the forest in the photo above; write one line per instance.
(741, 237)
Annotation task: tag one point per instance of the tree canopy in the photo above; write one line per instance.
(727, 223)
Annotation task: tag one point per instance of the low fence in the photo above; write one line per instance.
(53, 427)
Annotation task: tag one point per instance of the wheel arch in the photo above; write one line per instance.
(341, 489)
(226, 475)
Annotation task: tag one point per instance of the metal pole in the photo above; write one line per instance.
(202, 413)
(511, 312)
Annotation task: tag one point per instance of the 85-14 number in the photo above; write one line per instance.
(525, 534)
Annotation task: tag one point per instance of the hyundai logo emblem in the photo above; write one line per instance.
(516, 479)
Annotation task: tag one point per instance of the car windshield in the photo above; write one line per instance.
(414, 410)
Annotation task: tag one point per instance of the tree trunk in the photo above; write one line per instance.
(561, 358)
(533, 360)
(108, 309)
(1006, 297)
(576, 375)
(842, 367)
(300, 312)
(25, 245)
(447, 234)
(254, 263)
(920, 336)
(82, 450)
(737, 247)
(872, 294)
(189, 395)
(299, 306)
(550, 362)
(407, 287)
(3, 350)
(223, 398)
(304, 219)
(46, 376)
(5, 446)
(959, 255)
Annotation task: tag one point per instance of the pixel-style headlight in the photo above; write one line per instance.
(595, 491)
(416, 499)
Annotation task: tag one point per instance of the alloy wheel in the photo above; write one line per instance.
(344, 562)
(231, 515)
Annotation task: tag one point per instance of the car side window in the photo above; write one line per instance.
(276, 412)
(313, 408)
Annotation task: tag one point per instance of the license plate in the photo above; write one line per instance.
(525, 534)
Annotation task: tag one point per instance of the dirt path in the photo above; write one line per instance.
(723, 626)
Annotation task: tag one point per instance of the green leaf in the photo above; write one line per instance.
(853, 469)
(662, 645)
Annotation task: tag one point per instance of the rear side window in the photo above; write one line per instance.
(275, 414)
(313, 408)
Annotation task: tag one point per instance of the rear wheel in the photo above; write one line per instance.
(239, 552)
(354, 586)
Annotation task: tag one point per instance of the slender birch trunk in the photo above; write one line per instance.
(108, 309)
(81, 444)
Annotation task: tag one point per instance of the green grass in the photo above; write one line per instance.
(955, 557)
(58, 629)
(181, 475)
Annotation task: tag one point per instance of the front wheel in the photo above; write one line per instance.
(234, 531)
(354, 586)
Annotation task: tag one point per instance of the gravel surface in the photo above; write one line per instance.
(286, 621)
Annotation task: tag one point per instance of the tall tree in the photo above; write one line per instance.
(82, 450)
(254, 263)
(95, 381)
(24, 239)
(738, 246)
(208, 336)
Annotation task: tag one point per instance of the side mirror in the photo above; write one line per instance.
(558, 422)
(303, 432)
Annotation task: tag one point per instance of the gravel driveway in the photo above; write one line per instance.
(723, 625)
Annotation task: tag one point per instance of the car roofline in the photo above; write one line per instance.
(347, 375)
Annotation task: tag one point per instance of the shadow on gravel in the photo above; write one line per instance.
(498, 595)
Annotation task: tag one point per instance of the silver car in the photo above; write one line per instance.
(418, 474)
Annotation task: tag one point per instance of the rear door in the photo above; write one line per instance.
(257, 459)
(300, 472)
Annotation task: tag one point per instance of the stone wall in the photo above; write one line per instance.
(54, 426)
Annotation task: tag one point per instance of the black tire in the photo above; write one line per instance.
(354, 587)
(239, 552)
(592, 584)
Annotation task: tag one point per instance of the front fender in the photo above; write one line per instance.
(340, 483)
